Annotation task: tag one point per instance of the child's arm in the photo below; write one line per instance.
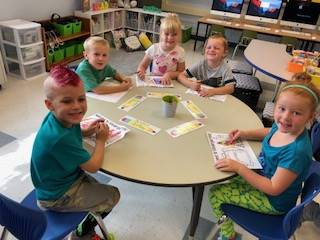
(168, 76)
(194, 85)
(207, 92)
(143, 65)
(89, 127)
(125, 84)
(255, 134)
(279, 182)
(95, 162)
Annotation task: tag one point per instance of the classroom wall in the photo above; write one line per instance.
(36, 9)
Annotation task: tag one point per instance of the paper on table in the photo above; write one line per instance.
(116, 131)
(151, 81)
(240, 150)
(111, 97)
(220, 98)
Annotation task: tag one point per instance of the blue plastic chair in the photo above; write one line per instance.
(273, 227)
(26, 221)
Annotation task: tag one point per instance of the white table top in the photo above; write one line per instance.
(161, 159)
(270, 58)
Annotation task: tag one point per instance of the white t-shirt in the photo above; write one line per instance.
(163, 61)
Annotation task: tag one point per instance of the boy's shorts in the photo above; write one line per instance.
(85, 194)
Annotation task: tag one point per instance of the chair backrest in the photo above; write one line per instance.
(315, 140)
(22, 222)
(310, 190)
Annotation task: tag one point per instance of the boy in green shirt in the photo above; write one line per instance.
(94, 69)
(59, 161)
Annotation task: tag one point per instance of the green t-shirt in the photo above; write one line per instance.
(56, 156)
(92, 77)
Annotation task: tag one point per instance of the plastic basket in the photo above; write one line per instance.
(58, 55)
(76, 26)
(64, 29)
(69, 50)
(78, 48)
(50, 56)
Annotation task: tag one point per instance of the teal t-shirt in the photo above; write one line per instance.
(295, 157)
(92, 77)
(56, 155)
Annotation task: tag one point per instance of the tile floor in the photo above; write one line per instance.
(144, 212)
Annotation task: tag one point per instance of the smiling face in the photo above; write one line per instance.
(68, 104)
(215, 51)
(97, 55)
(168, 40)
(292, 112)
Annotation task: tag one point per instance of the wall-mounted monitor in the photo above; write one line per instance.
(264, 10)
(227, 8)
(301, 14)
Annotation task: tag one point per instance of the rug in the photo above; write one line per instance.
(5, 138)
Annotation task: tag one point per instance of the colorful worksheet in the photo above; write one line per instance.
(116, 131)
(184, 128)
(152, 81)
(220, 98)
(132, 103)
(240, 150)
(162, 94)
(193, 109)
(139, 124)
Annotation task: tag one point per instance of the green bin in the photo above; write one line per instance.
(78, 48)
(69, 49)
(58, 55)
(50, 56)
(76, 26)
(64, 29)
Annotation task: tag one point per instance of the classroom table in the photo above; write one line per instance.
(161, 160)
(306, 36)
(271, 59)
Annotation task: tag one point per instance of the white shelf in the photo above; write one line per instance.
(115, 18)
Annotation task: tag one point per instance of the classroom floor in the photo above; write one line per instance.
(143, 213)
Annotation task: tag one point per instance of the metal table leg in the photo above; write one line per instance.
(197, 201)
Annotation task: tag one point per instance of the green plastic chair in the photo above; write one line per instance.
(246, 38)
(289, 41)
(216, 29)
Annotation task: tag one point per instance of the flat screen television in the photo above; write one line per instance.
(227, 8)
(264, 10)
(301, 14)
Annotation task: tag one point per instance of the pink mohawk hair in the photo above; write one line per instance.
(64, 76)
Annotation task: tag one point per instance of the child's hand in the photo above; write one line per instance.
(166, 80)
(141, 74)
(195, 85)
(205, 92)
(127, 79)
(233, 136)
(88, 126)
(125, 85)
(228, 165)
(102, 132)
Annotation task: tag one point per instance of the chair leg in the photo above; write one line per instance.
(213, 232)
(101, 225)
(235, 51)
(4, 234)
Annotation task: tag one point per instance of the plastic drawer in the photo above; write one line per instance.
(27, 53)
(20, 32)
(26, 71)
(34, 69)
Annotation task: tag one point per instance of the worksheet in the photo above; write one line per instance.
(139, 124)
(240, 150)
(116, 131)
(184, 128)
(193, 109)
(162, 94)
(132, 103)
(220, 98)
(152, 81)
